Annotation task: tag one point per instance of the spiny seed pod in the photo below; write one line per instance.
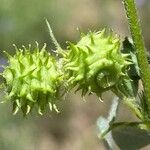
(32, 79)
(95, 63)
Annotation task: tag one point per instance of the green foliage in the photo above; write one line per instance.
(97, 63)
(135, 28)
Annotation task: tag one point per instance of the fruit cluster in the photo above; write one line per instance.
(95, 64)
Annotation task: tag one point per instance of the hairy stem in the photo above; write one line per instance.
(136, 33)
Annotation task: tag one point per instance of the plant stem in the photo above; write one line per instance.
(136, 33)
(130, 102)
(124, 124)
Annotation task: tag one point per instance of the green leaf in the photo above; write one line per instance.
(128, 48)
(130, 138)
(133, 71)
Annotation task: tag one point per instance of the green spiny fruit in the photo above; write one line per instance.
(95, 63)
(32, 79)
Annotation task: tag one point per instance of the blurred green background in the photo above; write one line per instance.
(22, 23)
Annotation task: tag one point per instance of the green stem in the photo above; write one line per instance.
(130, 102)
(141, 125)
(136, 33)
